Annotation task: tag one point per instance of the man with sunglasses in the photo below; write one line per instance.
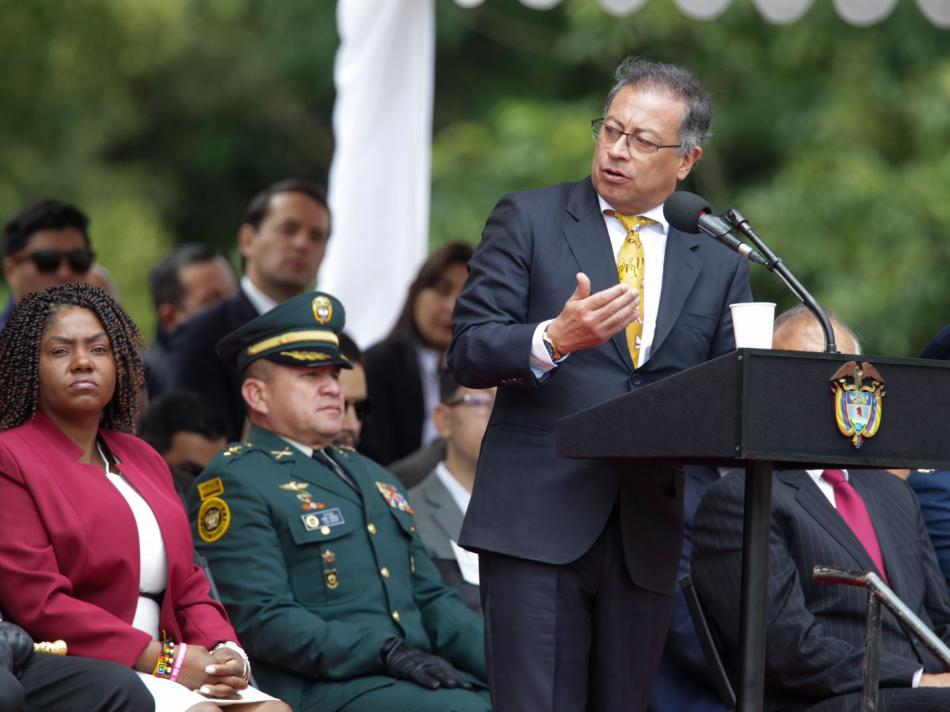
(46, 244)
(579, 293)
(442, 498)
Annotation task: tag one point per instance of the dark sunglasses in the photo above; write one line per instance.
(50, 260)
(362, 407)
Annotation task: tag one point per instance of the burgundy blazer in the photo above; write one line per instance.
(69, 549)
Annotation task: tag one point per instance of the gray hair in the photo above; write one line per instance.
(681, 83)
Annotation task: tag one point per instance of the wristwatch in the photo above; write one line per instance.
(551, 347)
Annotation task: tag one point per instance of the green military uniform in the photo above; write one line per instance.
(317, 576)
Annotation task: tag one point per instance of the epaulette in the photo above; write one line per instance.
(236, 449)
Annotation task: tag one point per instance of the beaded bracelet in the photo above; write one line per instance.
(179, 659)
(166, 659)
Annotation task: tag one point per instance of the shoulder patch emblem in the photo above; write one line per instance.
(394, 498)
(212, 488)
(214, 518)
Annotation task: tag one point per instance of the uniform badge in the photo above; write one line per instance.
(212, 488)
(859, 400)
(323, 520)
(332, 578)
(328, 557)
(278, 454)
(394, 497)
(214, 518)
(294, 486)
(322, 309)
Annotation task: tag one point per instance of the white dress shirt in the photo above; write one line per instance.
(261, 301)
(653, 238)
(460, 495)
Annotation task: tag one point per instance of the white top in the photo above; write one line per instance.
(261, 301)
(825, 486)
(429, 375)
(653, 238)
(461, 495)
(153, 564)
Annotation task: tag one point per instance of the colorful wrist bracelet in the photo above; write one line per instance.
(179, 659)
(166, 659)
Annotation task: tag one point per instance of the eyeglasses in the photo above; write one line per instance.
(361, 407)
(480, 402)
(607, 135)
(50, 260)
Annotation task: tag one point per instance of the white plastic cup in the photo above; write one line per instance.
(752, 324)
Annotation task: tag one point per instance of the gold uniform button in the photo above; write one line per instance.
(384, 571)
(371, 528)
(396, 616)
(324, 530)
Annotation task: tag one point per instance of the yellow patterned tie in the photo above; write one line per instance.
(631, 270)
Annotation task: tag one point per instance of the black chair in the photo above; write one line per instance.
(709, 643)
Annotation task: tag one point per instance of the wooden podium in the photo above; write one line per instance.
(762, 409)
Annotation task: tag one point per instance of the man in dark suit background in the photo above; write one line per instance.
(578, 559)
(282, 241)
(815, 635)
(442, 498)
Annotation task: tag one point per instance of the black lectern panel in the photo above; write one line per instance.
(758, 404)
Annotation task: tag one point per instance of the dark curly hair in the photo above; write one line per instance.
(20, 353)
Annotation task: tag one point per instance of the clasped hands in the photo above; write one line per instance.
(588, 320)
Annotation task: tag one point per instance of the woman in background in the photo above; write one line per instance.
(402, 370)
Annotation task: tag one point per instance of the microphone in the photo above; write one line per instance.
(775, 264)
(690, 213)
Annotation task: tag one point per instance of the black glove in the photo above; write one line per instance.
(402, 661)
(16, 647)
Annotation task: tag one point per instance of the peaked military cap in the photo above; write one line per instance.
(303, 331)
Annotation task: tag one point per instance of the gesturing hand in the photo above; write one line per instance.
(588, 320)
(402, 661)
(16, 647)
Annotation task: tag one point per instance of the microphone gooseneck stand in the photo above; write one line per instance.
(775, 264)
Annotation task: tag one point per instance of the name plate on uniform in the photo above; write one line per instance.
(327, 518)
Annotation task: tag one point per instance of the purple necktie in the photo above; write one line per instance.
(851, 508)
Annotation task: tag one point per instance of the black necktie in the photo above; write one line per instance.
(324, 459)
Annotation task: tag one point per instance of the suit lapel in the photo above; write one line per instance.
(817, 506)
(877, 507)
(590, 244)
(446, 512)
(680, 270)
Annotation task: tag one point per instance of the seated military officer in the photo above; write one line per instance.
(313, 547)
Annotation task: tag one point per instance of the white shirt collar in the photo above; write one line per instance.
(461, 495)
(261, 301)
(305, 449)
(816, 475)
(655, 214)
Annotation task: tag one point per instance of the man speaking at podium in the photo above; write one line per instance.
(580, 292)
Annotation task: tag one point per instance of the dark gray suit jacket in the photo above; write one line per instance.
(438, 520)
(527, 502)
(815, 635)
(196, 366)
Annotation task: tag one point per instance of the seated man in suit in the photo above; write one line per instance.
(862, 519)
(282, 241)
(53, 683)
(314, 547)
(441, 499)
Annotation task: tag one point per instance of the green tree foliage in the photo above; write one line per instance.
(162, 117)
(832, 140)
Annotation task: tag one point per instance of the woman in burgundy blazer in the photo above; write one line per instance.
(69, 553)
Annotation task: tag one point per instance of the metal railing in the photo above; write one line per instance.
(878, 593)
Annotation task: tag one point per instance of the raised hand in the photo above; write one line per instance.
(588, 320)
